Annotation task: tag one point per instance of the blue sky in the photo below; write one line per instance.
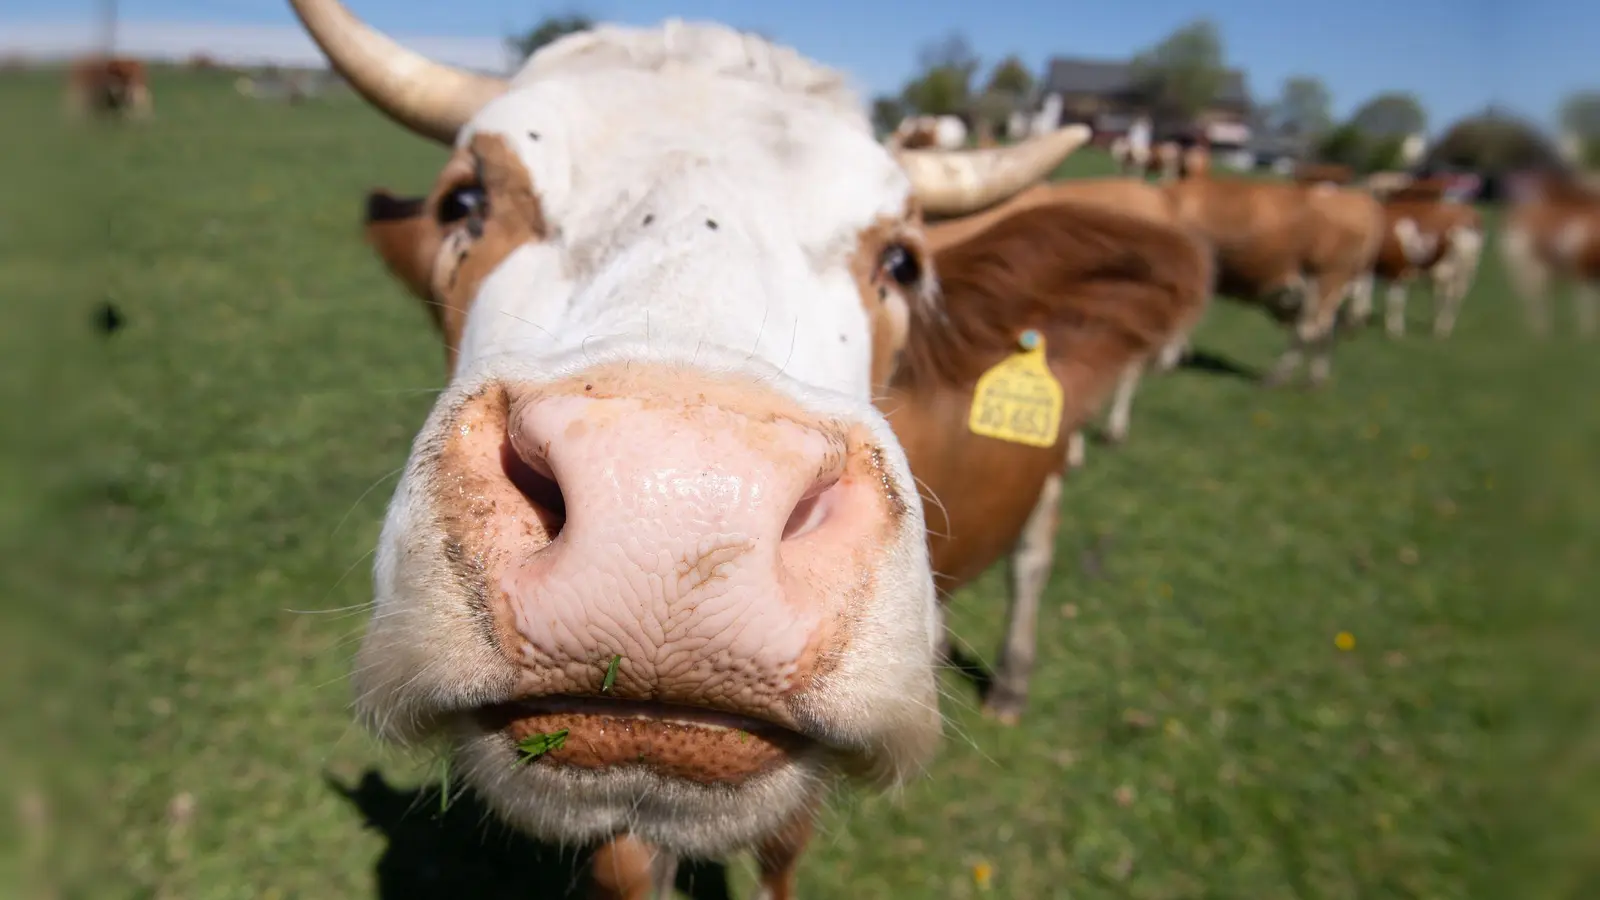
(1457, 55)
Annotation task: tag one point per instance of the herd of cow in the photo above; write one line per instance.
(668, 556)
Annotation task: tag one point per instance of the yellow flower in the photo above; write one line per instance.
(1262, 419)
(981, 873)
(1419, 452)
(1165, 589)
(1344, 640)
(1371, 431)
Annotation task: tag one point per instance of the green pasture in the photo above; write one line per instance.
(190, 503)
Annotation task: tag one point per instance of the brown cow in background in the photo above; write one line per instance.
(1430, 239)
(1320, 173)
(108, 85)
(1553, 237)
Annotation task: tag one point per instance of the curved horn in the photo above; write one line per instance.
(957, 182)
(432, 99)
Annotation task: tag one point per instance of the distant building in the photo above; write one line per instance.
(1104, 94)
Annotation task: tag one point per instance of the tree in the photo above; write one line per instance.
(1494, 142)
(1304, 109)
(1009, 85)
(1344, 145)
(548, 31)
(887, 112)
(1580, 115)
(945, 85)
(1393, 114)
(1182, 75)
(1010, 77)
(953, 51)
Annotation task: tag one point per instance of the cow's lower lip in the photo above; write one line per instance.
(692, 744)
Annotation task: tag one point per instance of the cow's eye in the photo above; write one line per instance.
(466, 201)
(901, 264)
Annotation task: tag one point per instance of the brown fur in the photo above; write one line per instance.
(108, 85)
(1315, 173)
(1435, 219)
(1277, 242)
(1102, 288)
(443, 264)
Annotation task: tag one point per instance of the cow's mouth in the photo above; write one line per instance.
(683, 742)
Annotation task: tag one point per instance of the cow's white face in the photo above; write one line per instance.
(667, 288)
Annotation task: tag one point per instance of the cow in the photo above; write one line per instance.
(1425, 238)
(1131, 152)
(1129, 196)
(1101, 288)
(657, 568)
(108, 85)
(1553, 236)
(929, 132)
(1324, 173)
(1296, 251)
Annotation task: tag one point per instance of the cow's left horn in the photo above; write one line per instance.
(430, 98)
(957, 182)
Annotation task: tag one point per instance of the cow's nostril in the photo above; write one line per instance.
(538, 486)
(812, 510)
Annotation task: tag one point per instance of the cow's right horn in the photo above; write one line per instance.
(430, 98)
(952, 183)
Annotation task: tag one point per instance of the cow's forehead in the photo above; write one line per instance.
(689, 209)
(599, 143)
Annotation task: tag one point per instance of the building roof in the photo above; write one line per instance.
(1076, 75)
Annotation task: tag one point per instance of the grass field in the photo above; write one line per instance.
(191, 502)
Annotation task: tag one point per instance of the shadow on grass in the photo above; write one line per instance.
(465, 852)
(1214, 364)
(972, 669)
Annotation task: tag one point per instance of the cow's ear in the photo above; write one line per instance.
(1106, 289)
(405, 237)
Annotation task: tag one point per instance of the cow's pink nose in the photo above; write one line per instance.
(704, 547)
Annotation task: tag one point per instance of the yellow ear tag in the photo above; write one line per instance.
(1019, 399)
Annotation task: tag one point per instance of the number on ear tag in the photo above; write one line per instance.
(1019, 399)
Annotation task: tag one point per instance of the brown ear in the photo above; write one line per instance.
(1104, 288)
(400, 229)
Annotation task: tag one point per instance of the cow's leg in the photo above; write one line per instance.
(1456, 276)
(1029, 570)
(626, 868)
(1449, 290)
(779, 856)
(1076, 449)
(1360, 309)
(1321, 332)
(1529, 277)
(1295, 353)
(1586, 304)
(1394, 308)
(1122, 401)
(1171, 354)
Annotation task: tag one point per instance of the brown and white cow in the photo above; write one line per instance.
(1129, 196)
(1551, 238)
(1428, 239)
(929, 133)
(655, 510)
(1103, 289)
(109, 85)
